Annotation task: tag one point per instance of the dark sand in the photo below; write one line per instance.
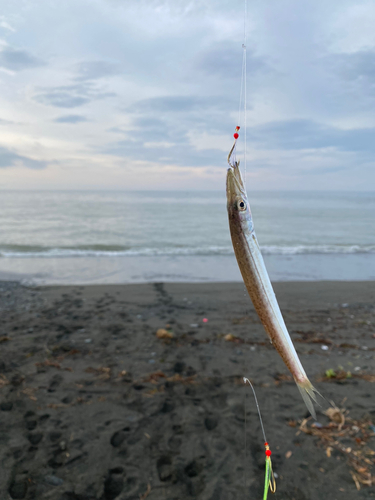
(82, 418)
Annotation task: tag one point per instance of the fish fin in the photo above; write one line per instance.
(308, 393)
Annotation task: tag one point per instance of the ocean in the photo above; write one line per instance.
(88, 237)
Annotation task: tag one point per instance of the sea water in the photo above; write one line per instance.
(77, 237)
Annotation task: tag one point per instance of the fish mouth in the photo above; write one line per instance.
(235, 185)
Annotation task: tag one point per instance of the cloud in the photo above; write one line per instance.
(174, 116)
(181, 153)
(157, 140)
(170, 120)
(10, 159)
(70, 119)
(307, 134)
(162, 82)
(356, 65)
(168, 104)
(6, 122)
(224, 59)
(18, 59)
(62, 98)
(71, 96)
(93, 70)
(5, 25)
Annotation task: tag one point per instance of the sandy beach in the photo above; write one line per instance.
(95, 406)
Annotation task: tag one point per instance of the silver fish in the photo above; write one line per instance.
(257, 282)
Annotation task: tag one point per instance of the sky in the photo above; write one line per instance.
(118, 94)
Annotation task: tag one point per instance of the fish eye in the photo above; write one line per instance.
(241, 205)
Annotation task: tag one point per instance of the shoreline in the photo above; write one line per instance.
(37, 271)
(83, 375)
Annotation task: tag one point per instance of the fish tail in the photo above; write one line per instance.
(308, 393)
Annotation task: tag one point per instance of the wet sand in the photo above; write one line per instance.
(94, 406)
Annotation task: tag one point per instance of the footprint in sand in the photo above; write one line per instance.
(18, 488)
(119, 437)
(30, 420)
(114, 483)
(35, 438)
(210, 423)
(55, 382)
(6, 406)
(164, 468)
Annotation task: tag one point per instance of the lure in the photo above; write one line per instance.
(269, 478)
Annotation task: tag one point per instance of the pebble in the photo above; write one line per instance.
(88, 341)
(318, 425)
(164, 334)
(229, 337)
(53, 480)
(324, 348)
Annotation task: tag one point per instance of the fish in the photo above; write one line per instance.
(256, 279)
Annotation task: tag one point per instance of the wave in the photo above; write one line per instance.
(316, 249)
(19, 251)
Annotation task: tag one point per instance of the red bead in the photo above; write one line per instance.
(235, 135)
(265, 444)
(238, 127)
(268, 453)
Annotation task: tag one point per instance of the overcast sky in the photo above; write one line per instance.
(125, 94)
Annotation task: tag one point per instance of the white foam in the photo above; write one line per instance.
(181, 251)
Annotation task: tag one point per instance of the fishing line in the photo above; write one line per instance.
(241, 88)
(243, 97)
(244, 469)
(242, 107)
(269, 479)
(245, 83)
(256, 402)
